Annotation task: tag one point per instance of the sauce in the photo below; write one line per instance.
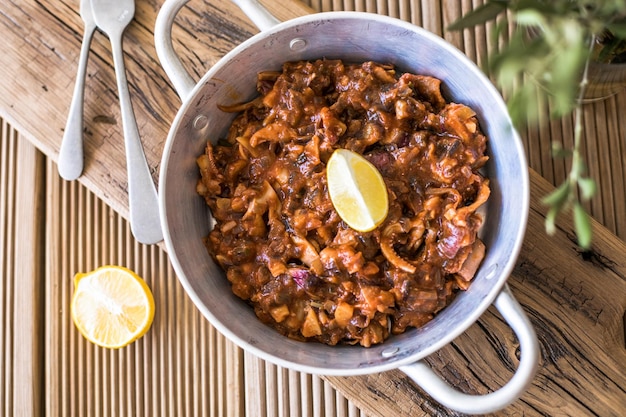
(283, 246)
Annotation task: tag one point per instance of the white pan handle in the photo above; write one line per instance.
(183, 82)
(257, 13)
(432, 383)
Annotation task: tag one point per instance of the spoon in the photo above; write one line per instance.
(112, 17)
(71, 153)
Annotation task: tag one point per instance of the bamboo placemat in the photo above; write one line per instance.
(182, 367)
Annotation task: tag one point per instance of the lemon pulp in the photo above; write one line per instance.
(112, 306)
(357, 190)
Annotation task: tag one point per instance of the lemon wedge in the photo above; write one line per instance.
(112, 306)
(357, 190)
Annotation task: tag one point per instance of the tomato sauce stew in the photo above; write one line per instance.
(282, 244)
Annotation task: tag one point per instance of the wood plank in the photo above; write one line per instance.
(21, 269)
(28, 286)
(8, 162)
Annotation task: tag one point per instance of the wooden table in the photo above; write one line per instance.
(576, 300)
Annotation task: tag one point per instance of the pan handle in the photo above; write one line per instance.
(182, 80)
(259, 15)
(432, 383)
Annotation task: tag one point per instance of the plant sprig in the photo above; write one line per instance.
(551, 44)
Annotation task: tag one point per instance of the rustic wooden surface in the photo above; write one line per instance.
(43, 40)
(575, 300)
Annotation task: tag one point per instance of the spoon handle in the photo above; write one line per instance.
(142, 196)
(71, 152)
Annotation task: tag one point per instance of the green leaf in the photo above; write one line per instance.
(582, 223)
(550, 222)
(617, 6)
(480, 15)
(587, 187)
(530, 17)
(545, 7)
(558, 197)
(610, 9)
(522, 107)
(558, 151)
(617, 29)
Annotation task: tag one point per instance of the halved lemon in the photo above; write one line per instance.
(112, 306)
(357, 190)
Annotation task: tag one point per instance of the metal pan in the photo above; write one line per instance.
(351, 36)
